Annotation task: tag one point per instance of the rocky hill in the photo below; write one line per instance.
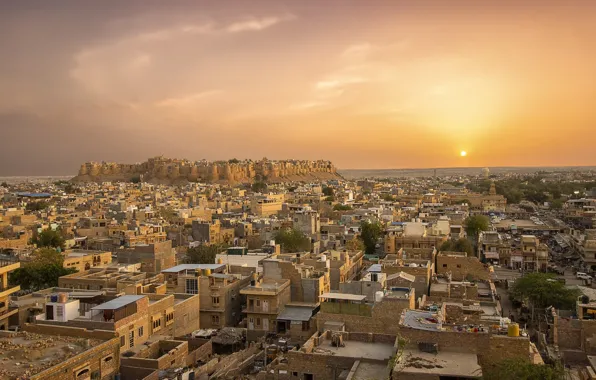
(166, 170)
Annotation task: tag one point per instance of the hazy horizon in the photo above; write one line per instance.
(470, 169)
(366, 84)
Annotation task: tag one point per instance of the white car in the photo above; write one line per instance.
(584, 276)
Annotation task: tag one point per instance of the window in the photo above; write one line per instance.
(305, 325)
(122, 341)
(156, 324)
(131, 338)
(215, 300)
(258, 321)
(169, 318)
(192, 286)
(83, 373)
(459, 265)
(444, 265)
(141, 331)
(215, 319)
(258, 303)
(60, 311)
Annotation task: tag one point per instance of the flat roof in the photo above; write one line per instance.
(343, 296)
(36, 352)
(117, 303)
(443, 363)
(296, 313)
(77, 254)
(375, 268)
(421, 320)
(367, 370)
(376, 351)
(183, 267)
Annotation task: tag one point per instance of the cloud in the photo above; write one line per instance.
(121, 67)
(357, 51)
(175, 31)
(308, 105)
(140, 61)
(256, 24)
(338, 82)
(188, 100)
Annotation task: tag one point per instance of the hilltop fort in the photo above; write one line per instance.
(167, 170)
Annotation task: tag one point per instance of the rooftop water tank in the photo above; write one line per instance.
(513, 330)
(378, 296)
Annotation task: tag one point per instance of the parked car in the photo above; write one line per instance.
(583, 276)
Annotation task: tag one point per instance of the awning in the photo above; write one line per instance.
(117, 303)
(293, 313)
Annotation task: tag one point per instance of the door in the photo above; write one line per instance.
(265, 306)
(251, 323)
(265, 324)
(49, 312)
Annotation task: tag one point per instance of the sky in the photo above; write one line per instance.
(364, 83)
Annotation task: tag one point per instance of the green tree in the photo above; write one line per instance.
(328, 191)
(36, 206)
(475, 224)
(43, 271)
(167, 213)
(388, 198)
(330, 198)
(49, 238)
(542, 290)
(203, 254)
(355, 245)
(234, 161)
(370, 234)
(556, 204)
(70, 189)
(259, 187)
(522, 369)
(459, 245)
(339, 207)
(292, 240)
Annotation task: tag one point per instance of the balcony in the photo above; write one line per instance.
(260, 310)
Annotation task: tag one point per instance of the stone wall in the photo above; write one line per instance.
(490, 349)
(174, 354)
(186, 314)
(165, 170)
(461, 267)
(103, 359)
(75, 332)
(383, 318)
(569, 333)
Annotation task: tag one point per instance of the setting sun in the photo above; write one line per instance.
(463, 153)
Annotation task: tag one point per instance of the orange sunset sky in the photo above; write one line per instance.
(366, 84)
